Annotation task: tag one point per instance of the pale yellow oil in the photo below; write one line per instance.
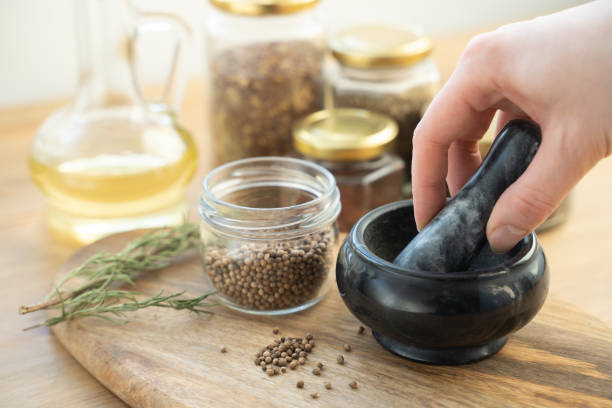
(101, 193)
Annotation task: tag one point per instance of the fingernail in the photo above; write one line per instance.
(504, 238)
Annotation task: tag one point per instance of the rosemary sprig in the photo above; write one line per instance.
(97, 294)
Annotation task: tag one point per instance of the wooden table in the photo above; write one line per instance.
(35, 370)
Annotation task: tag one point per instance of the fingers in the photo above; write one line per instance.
(555, 169)
(458, 116)
(506, 115)
(463, 160)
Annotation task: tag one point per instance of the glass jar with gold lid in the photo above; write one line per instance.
(265, 70)
(353, 144)
(385, 69)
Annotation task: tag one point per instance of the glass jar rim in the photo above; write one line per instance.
(262, 222)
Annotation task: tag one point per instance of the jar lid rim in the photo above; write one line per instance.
(369, 46)
(263, 7)
(344, 134)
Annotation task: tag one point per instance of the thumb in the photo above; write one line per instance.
(537, 193)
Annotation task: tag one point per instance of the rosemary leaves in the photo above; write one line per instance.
(94, 288)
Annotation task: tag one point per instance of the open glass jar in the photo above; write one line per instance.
(388, 70)
(269, 233)
(265, 69)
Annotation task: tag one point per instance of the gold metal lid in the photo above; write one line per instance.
(380, 46)
(263, 7)
(344, 134)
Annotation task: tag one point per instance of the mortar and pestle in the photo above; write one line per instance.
(442, 296)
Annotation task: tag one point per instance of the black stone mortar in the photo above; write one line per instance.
(437, 317)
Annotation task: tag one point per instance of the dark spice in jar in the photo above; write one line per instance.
(406, 109)
(258, 91)
(272, 275)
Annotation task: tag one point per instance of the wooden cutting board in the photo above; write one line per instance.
(168, 358)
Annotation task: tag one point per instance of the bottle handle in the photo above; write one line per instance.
(150, 22)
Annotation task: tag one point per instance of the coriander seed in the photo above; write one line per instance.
(347, 347)
(275, 330)
(293, 365)
(320, 365)
(270, 372)
(224, 349)
(340, 359)
(328, 386)
(314, 395)
(360, 330)
(300, 384)
(316, 371)
(283, 370)
(353, 385)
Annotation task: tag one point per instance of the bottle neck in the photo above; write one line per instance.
(102, 38)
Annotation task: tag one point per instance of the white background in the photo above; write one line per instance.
(37, 48)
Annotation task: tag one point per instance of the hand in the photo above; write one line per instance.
(555, 70)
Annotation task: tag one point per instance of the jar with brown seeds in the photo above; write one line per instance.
(282, 266)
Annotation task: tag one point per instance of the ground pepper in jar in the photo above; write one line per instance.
(258, 91)
(388, 70)
(353, 145)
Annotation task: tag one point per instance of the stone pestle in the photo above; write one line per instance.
(452, 238)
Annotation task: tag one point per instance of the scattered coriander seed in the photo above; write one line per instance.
(320, 365)
(328, 386)
(302, 360)
(360, 330)
(293, 364)
(340, 359)
(353, 385)
(275, 330)
(224, 349)
(300, 384)
(347, 347)
(316, 371)
(283, 370)
(314, 395)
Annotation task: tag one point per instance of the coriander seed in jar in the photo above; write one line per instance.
(265, 70)
(385, 69)
(269, 233)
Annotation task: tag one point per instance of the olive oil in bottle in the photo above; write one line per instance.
(123, 174)
(114, 159)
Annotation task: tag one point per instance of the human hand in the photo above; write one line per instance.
(555, 70)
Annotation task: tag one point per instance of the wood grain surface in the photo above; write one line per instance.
(37, 371)
(164, 358)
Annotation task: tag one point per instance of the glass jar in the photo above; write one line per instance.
(269, 233)
(388, 70)
(353, 145)
(265, 63)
